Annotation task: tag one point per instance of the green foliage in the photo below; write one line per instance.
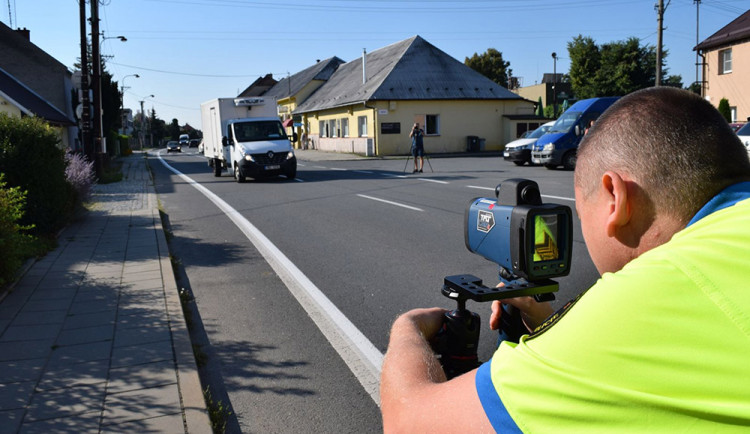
(615, 68)
(491, 65)
(549, 111)
(695, 87)
(725, 110)
(585, 61)
(14, 242)
(31, 160)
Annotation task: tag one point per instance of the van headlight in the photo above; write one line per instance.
(549, 147)
(290, 155)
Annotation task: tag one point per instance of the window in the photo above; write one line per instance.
(362, 126)
(725, 61)
(322, 129)
(432, 125)
(344, 127)
(332, 128)
(733, 113)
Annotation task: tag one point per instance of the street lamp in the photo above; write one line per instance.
(554, 84)
(122, 101)
(97, 80)
(141, 135)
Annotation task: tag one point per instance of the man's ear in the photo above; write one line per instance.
(618, 202)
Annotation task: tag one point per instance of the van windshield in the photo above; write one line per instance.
(566, 122)
(258, 130)
(539, 132)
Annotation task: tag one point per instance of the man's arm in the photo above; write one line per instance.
(414, 394)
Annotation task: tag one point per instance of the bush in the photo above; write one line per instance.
(31, 160)
(79, 172)
(14, 243)
(725, 110)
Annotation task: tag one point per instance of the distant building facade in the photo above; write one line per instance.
(368, 105)
(33, 83)
(726, 67)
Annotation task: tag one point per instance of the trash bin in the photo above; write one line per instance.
(481, 143)
(472, 143)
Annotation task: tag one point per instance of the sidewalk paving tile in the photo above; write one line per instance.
(140, 404)
(73, 375)
(146, 353)
(83, 320)
(143, 376)
(92, 334)
(68, 401)
(71, 354)
(25, 349)
(16, 371)
(86, 423)
(15, 395)
(30, 332)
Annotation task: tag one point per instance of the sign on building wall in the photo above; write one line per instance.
(390, 128)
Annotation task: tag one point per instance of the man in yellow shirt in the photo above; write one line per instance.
(660, 342)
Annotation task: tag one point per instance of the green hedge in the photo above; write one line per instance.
(14, 242)
(31, 160)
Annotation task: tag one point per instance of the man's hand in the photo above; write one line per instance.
(428, 321)
(413, 388)
(533, 313)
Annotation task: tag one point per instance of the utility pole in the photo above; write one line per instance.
(85, 102)
(697, 41)
(660, 20)
(96, 82)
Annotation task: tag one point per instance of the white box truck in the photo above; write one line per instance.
(246, 137)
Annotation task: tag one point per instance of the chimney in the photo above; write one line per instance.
(364, 66)
(26, 33)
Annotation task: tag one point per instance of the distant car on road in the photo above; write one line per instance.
(736, 126)
(194, 143)
(184, 141)
(173, 146)
(519, 150)
(744, 135)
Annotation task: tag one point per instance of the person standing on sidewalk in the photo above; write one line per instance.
(417, 147)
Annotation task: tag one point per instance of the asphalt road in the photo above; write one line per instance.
(374, 240)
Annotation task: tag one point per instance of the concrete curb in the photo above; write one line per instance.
(191, 392)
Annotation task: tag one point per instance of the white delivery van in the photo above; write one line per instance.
(246, 137)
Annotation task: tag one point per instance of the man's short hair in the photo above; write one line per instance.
(673, 142)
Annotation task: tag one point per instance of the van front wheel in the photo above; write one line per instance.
(569, 160)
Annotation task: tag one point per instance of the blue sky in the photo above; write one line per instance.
(190, 51)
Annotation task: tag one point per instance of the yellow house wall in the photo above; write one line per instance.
(8, 108)
(457, 120)
(732, 86)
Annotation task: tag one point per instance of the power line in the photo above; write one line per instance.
(188, 73)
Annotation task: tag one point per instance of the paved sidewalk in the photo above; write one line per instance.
(92, 337)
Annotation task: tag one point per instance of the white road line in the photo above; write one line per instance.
(360, 355)
(480, 188)
(433, 180)
(390, 203)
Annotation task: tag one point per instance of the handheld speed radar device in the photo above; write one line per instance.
(530, 241)
(526, 238)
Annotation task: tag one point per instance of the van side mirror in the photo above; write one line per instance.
(224, 141)
(578, 130)
(294, 137)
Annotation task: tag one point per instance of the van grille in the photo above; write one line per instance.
(275, 158)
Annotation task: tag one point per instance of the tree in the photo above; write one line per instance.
(174, 130)
(615, 68)
(491, 65)
(725, 110)
(539, 107)
(585, 61)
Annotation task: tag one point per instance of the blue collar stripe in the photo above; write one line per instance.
(726, 198)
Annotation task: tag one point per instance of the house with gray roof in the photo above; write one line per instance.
(34, 83)
(726, 66)
(293, 89)
(368, 105)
